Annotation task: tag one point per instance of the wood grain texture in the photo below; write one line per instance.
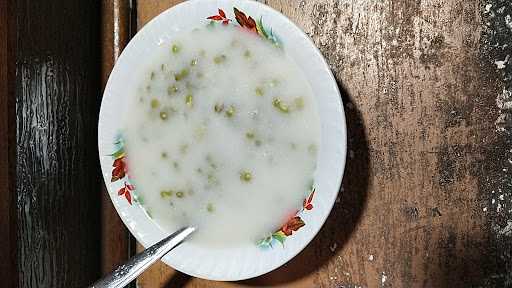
(149, 9)
(115, 26)
(427, 194)
(7, 145)
(57, 101)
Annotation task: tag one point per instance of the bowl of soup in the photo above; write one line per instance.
(223, 115)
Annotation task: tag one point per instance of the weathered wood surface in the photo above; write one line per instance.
(7, 145)
(427, 194)
(57, 172)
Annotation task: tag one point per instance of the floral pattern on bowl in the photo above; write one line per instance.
(120, 171)
(248, 23)
(292, 225)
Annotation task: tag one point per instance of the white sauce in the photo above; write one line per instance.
(207, 157)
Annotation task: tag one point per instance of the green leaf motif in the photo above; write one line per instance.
(279, 236)
(265, 242)
(261, 29)
(263, 33)
(119, 141)
(118, 154)
(273, 38)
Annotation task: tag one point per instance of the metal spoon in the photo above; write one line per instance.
(125, 273)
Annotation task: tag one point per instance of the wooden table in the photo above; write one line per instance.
(427, 194)
(426, 198)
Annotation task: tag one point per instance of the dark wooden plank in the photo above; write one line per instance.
(7, 145)
(57, 100)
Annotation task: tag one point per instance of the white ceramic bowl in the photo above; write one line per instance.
(228, 263)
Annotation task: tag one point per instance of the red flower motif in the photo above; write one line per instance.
(119, 170)
(220, 17)
(244, 21)
(293, 224)
(126, 191)
(308, 202)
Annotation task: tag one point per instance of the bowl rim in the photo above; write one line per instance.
(264, 10)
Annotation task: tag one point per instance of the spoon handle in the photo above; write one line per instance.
(128, 271)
